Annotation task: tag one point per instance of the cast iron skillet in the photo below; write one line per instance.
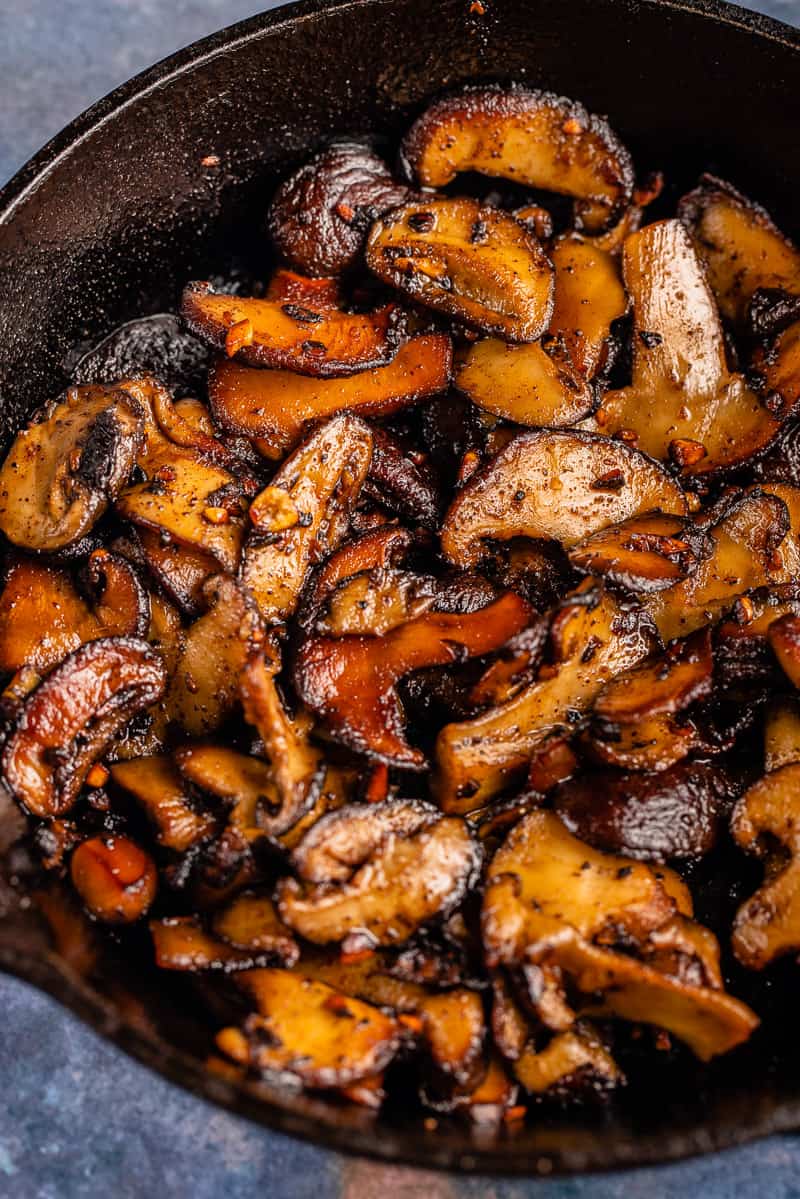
(111, 218)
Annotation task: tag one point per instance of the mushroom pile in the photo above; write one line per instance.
(400, 671)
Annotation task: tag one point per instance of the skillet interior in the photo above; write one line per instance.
(111, 219)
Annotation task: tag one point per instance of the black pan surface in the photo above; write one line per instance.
(111, 218)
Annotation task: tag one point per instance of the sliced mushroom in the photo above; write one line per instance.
(319, 216)
(474, 263)
(350, 682)
(399, 880)
(275, 406)
(592, 639)
(67, 722)
(766, 821)
(182, 943)
(205, 683)
(573, 1061)
(740, 247)
(534, 138)
(343, 840)
(68, 465)
(157, 787)
(244, 780)
(642, 554)
(589, 298)
(322, 480)
(308, 1029)
(516, 665)
(43, 617)
(115, 878)
(318, 341)
(374, 603)
(782, 734)
(403, 482)
(297, 765)
(545, 886)
(182, 570)
(250, 922)
(377, 550)
(453, 1030)
(683, 404)
(751, 546)
(654, 817)
(526, 384)
(555, 484)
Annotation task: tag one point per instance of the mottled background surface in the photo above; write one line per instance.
(79, 1120)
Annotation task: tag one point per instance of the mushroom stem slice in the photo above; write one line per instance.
(532, 137)
(67, 465)
(350, 682)
(322, 479)
(70, 719)
(573, 1062)
(310, 340)
(593, 639)
(276, 405)
(555, 484)
(474, 263)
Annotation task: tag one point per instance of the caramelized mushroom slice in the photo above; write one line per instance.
(156, 785)
(350, 682)
(318, 341)
(532, 137)
(322, 480)
(555, 484)
(544, 886)
(766, 821)
(683, 402)
(182, 570)
(205, 684)
(70, 719)
(574, 1062)
(43, 617)
(275, 406)
(589, 298)
(297, 766)
(400, 880)
(592, 640)
(645, 553)
(182, 943)
(343, 840)
(740, 247)
(529, 384)
(654, 817)
(474, 263)
(308, 1029)
(319, 216)
(374, 603)
(751, 546)
(777, 369)
(244, 780)
(251, 922)
(782, 734)
(67, 466)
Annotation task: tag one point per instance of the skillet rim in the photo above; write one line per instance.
(54, 978)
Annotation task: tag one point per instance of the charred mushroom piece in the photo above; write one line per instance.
(322, 480)
(156, 785)
(544, 886)
(534, 138)
(405, 871)
(67, 466)
(589, 298)
(319, 216)
(574, 1062)
(653, 817)
(683, 404)
(205, 683)
(350, 682)
(275, 406)
(308, 1029)
(776, 367)
(245, 781)
(642, 554)
(401, 483)
(592, 639)
(374, 603)
(318, 341)
(297, 765)
(739, 245)
(70, 719)
(116, 880)
(378, 550)
(766, 821)
(474, 263)
(555, 484)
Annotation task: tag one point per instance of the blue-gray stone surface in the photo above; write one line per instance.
(78, 1119)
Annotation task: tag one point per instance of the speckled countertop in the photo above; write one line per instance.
(78, 1119)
